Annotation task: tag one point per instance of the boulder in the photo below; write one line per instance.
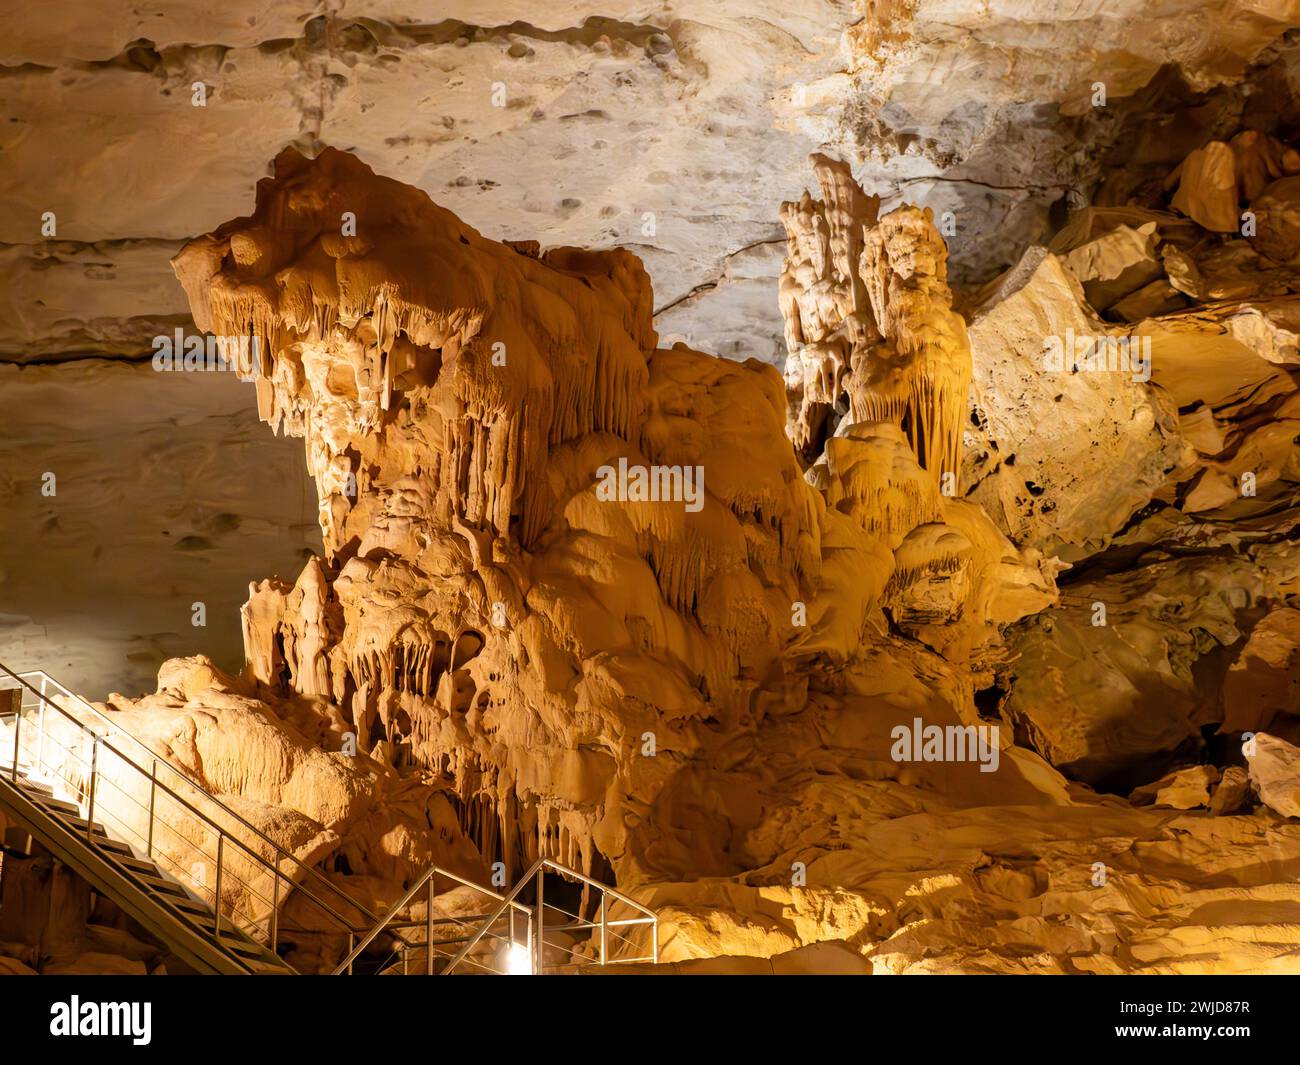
(1275, 773)
(1264, 681)
(1277, 220)
(1232, 794)
(1183, 789)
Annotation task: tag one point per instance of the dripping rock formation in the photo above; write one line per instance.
(950, 623)
(711, 634)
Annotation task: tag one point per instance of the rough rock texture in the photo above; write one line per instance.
(701, 692)
(1042, 480)
(1264, 681)
(166, 494)
(967, 109)
(1183, 789)
(1275, 773)
(674, 131)
(1123, 678)
(1029, 484)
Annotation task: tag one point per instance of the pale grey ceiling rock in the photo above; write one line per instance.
(61, 298)
(988, 110)
(645, 127)
(674, 128)
(167, 491)
(741, 294)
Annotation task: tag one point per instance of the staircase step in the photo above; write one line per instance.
(196, 912)
(189, 905)
(142, 865)
(49, 802)
(142, 868)
(150, 874)
(160, 883)
(80, 824)
(243, 946)
(107, 843)
(203, 941)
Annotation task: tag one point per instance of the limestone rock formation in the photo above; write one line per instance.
(500, 599)
(1264, 681)
(869, 322)
(586, 594)
(1041, 480)
(1184, 789)
(968, 643)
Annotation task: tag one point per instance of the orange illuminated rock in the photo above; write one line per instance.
(653, 614)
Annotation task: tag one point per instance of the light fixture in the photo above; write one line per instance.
(519, 960)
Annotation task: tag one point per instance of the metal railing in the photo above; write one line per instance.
(515, 914)
(218, 856)
(604, 929)
(61, 740)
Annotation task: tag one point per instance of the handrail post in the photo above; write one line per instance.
(153, 792)
(528, 936)
(275, 905)
(40, 735)
(18, 725)
(216, 894)
(539, 943)
(352, 945)
(603, 900)
(428, 932)
(654, 938)
(94, 767)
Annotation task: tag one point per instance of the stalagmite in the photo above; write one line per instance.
(870, 325)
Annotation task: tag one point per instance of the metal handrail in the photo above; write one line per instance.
(155, 783)
(225, 810)
(538, 869)
(387, 920)
(133, 876)
(535, 939)
(102, 744)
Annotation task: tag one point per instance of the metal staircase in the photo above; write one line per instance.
(200, 879)
(211, 887)
(188, 926)
(514, 939)
(541, 954)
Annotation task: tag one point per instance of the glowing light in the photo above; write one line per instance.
(519, 960)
